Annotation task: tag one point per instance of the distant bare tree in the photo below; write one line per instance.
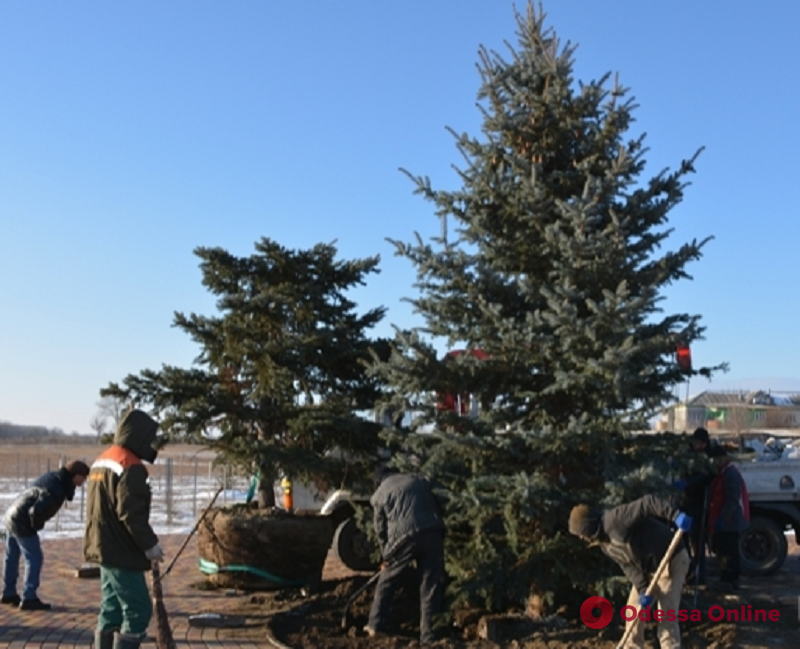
(98, 425)
(109, 412)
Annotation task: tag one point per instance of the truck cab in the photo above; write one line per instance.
(351, 545)
(774, 491)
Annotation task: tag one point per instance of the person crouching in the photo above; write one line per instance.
(636, 536)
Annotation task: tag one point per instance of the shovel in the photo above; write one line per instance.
(701, 550)
(357, 592)
(651, 588)
(186, 540)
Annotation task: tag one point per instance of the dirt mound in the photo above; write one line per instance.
(312, 617)
(241, 546)
(315, 620)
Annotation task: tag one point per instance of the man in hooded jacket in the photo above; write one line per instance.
(118, 533)
(636, 536)
(23, 520)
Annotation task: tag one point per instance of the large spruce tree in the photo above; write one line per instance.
(552, 262)
(281, 379)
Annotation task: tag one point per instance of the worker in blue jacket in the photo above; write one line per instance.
(24, 519)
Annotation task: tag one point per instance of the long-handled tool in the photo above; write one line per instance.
(357, 592)
(164, 639)
(700, 552)
(654, 581)
(186, 540)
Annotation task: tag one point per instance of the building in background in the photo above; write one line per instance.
(734, 412)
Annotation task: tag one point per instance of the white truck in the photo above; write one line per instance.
(351, 545)
(774, 491)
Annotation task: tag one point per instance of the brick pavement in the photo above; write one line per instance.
(75, 603)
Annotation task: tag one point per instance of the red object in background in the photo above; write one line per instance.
(477, 353)
(448, 401)
(684, 357)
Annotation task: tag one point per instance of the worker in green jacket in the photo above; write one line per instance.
(118, 533)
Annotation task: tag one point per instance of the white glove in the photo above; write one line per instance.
(156, 553)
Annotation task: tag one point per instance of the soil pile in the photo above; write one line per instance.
(306, 618)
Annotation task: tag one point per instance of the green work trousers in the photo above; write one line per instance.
(125, 604)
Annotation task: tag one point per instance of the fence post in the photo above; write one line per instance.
(194, 497)
(211, 480)
(169, 491)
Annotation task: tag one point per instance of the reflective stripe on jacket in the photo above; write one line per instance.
(118, 530)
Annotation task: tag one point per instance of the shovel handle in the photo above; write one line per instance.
(356, 593)
(186, 540)
(654, 581)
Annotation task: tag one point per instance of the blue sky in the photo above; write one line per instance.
(130, 133)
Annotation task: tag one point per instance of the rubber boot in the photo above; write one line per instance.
(104, 639)
(127, 641)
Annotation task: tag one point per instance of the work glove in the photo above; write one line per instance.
(156, 553)
(646, 600)
(683, 521)
(680, 485)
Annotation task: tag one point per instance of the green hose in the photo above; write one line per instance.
(211, 568)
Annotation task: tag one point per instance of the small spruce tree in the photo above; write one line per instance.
(281, 379)
(554, 270)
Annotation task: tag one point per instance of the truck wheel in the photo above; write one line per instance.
(353, 547)
(762, 547)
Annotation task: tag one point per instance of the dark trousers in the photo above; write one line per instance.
(697, 540)
(427, 550)
(726, 547)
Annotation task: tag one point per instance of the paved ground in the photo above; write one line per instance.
(75, 603)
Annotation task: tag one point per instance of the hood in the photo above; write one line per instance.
(137, 433)
(585, 521)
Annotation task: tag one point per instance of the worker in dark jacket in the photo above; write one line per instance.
(23, 520)
(636, 536)
(118, 533)
(695, 501)
(410, 526)
(728, 517)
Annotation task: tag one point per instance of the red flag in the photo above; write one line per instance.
(684, 357)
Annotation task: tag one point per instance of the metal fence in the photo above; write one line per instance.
(182, 485)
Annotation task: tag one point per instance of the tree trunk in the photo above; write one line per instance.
(267, 472)
(266, 489)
